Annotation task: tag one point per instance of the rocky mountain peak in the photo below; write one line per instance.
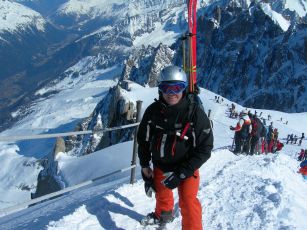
(144, 66)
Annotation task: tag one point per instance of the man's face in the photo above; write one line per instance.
(172, 99)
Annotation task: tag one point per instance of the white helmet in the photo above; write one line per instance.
(172, 73)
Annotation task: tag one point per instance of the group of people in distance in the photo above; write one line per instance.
(293, 139)
(253, 137)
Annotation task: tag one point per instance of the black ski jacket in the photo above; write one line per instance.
(160, 138)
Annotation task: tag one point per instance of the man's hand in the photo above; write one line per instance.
(147, 172)
(172, 181)
(147, 175)
(232, 128)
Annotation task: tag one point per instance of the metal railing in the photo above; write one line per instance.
(44, 198)
(32, 202)
(54, 135)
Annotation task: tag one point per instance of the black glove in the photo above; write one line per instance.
(148, 185)
(232, 128)
(172, 181)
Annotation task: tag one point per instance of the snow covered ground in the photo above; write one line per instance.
(236, 192)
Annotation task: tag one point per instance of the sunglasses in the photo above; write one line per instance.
(172, 88)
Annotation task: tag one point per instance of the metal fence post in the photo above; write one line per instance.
(138, 119)
(209, 113)
(211, 122)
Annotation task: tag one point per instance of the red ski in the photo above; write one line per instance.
(192, 22)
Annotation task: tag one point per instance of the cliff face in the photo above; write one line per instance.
(244, 55)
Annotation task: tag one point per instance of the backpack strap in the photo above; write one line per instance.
(187, 126)
(193, 103)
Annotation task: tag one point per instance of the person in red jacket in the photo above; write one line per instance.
(278, 146)
(176, 136)
(303, 169)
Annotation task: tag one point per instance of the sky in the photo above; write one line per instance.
(236, 192)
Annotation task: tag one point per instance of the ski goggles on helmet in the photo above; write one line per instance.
(172, 87)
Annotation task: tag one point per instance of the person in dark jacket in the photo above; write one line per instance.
(242, 135)
(295, 139)
(176, 136)
(301, 139)
(255, 134)
(291, 138)
(288, 139)
(301, 156)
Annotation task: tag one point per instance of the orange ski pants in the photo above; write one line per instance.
(190, 206)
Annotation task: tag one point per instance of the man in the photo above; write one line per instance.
(269, 137)
(273, 140)
(243, 131)
(301, 139)
(255, 134)
(174, 134)
(301, 155)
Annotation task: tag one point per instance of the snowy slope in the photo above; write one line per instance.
(236, 192)
(73, 97)
(76, 98)
(18, 175)
(276, 17)
(16, 17)
(89, 7)
(166, 31)
(96, 7)
(299, 6)
(109, 7)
